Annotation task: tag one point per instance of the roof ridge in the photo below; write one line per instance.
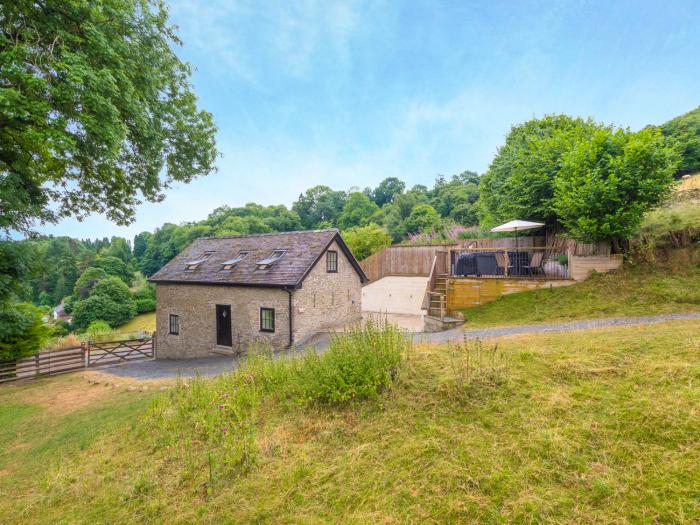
(269, 234)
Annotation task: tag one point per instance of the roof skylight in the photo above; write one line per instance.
(192, 265)
(228, 265)
(271, 259)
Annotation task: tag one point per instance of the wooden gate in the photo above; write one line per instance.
(111, 352)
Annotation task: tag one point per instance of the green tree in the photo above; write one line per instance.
(96, 110)
(115, 266)
(102, 308)
(109, 301)
(363, 241)
(685, 132)
(607, 183)
(22, 331)
(86, 282)
(519, 184)
(456, 198)
(357, 211)
(140, 244)
(119, 248)
(318, 205)
(387, 190)
(423, 217)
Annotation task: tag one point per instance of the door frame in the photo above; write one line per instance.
(223, 311)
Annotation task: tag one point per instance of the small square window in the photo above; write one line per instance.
(174, 328)
(331, 261)
(267, 319)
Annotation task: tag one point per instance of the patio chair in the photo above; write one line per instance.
(535, 264)
(500, 263)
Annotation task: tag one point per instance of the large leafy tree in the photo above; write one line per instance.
(519, 184)
(357, 211)
(318, 206)
(387, 189)
(607, 183)
(96, 110)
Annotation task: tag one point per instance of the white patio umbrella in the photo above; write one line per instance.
(517, 226)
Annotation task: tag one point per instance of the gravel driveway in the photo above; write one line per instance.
(211, 366)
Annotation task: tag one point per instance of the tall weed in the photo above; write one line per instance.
(359, 364)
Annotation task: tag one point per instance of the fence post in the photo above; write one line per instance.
(154, 343)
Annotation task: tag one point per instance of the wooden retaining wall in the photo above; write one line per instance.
(463, 293)
(580, 267)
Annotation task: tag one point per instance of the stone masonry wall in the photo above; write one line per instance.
(196, 306)
(327, 300)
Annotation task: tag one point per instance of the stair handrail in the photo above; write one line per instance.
(430, 287)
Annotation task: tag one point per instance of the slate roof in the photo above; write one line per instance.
(303, 250)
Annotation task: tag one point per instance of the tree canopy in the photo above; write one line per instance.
(684, 130)
(607, 183)
(96, 110)
(519, 184)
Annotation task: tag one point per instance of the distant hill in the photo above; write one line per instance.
(685, 129)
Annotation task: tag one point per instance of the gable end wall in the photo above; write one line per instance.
(327, 300)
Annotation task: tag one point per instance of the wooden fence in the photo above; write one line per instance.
(418, 259)
(43, 364)
(89, 354)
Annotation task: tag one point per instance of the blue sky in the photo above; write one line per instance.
(347, 93)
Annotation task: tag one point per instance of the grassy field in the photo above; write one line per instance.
(597, 427)
(141, 323)
(639, 290)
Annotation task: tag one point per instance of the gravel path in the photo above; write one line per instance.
(211, 366)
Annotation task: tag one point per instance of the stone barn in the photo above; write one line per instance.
(222, 294)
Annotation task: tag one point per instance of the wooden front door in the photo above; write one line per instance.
(223, 325)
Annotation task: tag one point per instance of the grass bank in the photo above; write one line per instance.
(600, 427)
(643, 289)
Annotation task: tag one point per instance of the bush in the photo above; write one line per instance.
(359, 364)
(100, 307)
(145, 299)
(22, 331)
(61, 328)
(97, 328)
(366, 240)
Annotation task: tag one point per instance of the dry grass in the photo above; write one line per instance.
(690, 183)
(597, 427)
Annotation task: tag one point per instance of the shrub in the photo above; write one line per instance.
(22, 331)
(101, 307)
(366, 240)
(145, 299)
(97, 328)
(359, 364)
(61, 328)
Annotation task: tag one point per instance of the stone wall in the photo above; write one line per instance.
(327, 300)
(196, 307)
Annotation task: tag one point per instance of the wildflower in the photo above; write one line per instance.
(221, 407)
(225, 430)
